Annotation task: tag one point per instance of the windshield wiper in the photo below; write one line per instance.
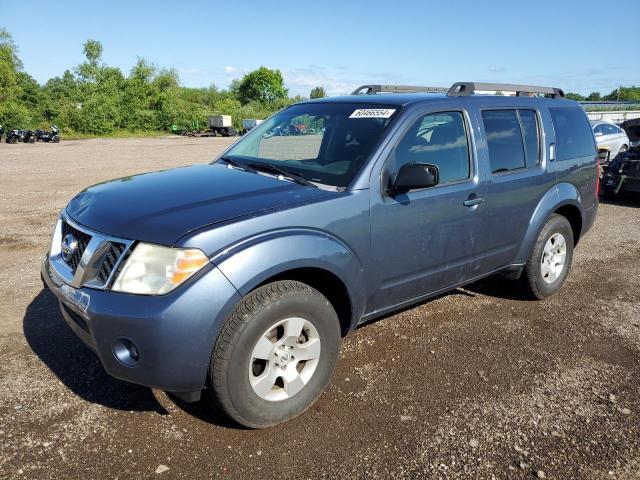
(267, 167)
(238, 164)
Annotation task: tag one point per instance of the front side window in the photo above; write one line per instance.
(574, 138)
(612, 130)
(439, 139)
(600, 129)
(326, 143)
(504, 140)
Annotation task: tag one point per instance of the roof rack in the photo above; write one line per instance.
(373, 89)
(463, 89)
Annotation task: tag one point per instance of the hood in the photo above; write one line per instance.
(632, 128)
(160, 207)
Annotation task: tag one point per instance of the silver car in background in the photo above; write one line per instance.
(610, 137)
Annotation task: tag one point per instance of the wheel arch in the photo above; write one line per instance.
(312, 257)
(328, 284)
(562, 199)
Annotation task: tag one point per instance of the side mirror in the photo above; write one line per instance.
(413, 176)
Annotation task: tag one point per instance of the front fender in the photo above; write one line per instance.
(557, 196)
(253, 261)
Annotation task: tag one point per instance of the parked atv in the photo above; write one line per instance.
(52, 136)
(29, 136)
(15, 136)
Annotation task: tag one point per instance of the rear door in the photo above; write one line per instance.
(515, 174)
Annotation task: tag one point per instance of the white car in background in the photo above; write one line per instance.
(610, 137)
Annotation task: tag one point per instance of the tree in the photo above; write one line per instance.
(262, 85)
(574, 96)
(10, 65)
(629, 94)
(594, 97)
(13, 113)
(317, 92)
(93, 51)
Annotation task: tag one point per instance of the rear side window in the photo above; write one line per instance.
(574, 137)
(529, 122)
(504, 140)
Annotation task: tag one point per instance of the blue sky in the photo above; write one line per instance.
(576, 45)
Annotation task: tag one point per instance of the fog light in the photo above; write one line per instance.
(126, 352)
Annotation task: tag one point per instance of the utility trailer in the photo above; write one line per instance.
(221, 125)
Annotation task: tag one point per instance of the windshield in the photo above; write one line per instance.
(325, 143)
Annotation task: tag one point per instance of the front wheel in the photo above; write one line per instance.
(550, 258)
(275, 354)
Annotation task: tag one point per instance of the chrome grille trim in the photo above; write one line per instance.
(91, 270)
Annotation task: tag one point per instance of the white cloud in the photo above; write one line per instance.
(300, 81)
(230, 70)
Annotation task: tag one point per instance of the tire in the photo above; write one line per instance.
(242, 383)
(622, 150)
(542, 282)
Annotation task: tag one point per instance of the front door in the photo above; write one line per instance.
(423, 241)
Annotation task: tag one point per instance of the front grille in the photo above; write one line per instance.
(83, 240)
(110, 260)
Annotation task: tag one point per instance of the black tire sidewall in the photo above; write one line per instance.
(255, 411)
(540, 288)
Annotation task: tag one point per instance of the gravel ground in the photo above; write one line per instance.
(479, 383)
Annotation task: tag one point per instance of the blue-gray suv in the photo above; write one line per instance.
(241, 277)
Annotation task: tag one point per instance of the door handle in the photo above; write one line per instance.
(472, 202)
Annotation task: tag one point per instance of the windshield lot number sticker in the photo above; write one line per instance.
(372, 113)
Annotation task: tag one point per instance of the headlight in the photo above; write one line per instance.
(155, 270)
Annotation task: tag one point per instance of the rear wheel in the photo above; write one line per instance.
(622, 150)
(275, 354)
(550, 258)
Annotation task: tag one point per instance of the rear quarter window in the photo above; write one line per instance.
(574, 137)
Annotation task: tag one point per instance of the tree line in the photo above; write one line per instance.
(95, 98)
(621, 94)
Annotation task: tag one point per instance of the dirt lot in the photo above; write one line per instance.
(480, 383)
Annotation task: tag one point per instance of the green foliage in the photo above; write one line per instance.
(631, 94)
(93, 51)
(261, 85)
(12, 111)
(96, 99)
(317, 92)
(574, 96)
(594, 97)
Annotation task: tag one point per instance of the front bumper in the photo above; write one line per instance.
(616, 183)
(174, 333)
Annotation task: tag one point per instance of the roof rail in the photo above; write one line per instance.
(373, 89)
(463, 89)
